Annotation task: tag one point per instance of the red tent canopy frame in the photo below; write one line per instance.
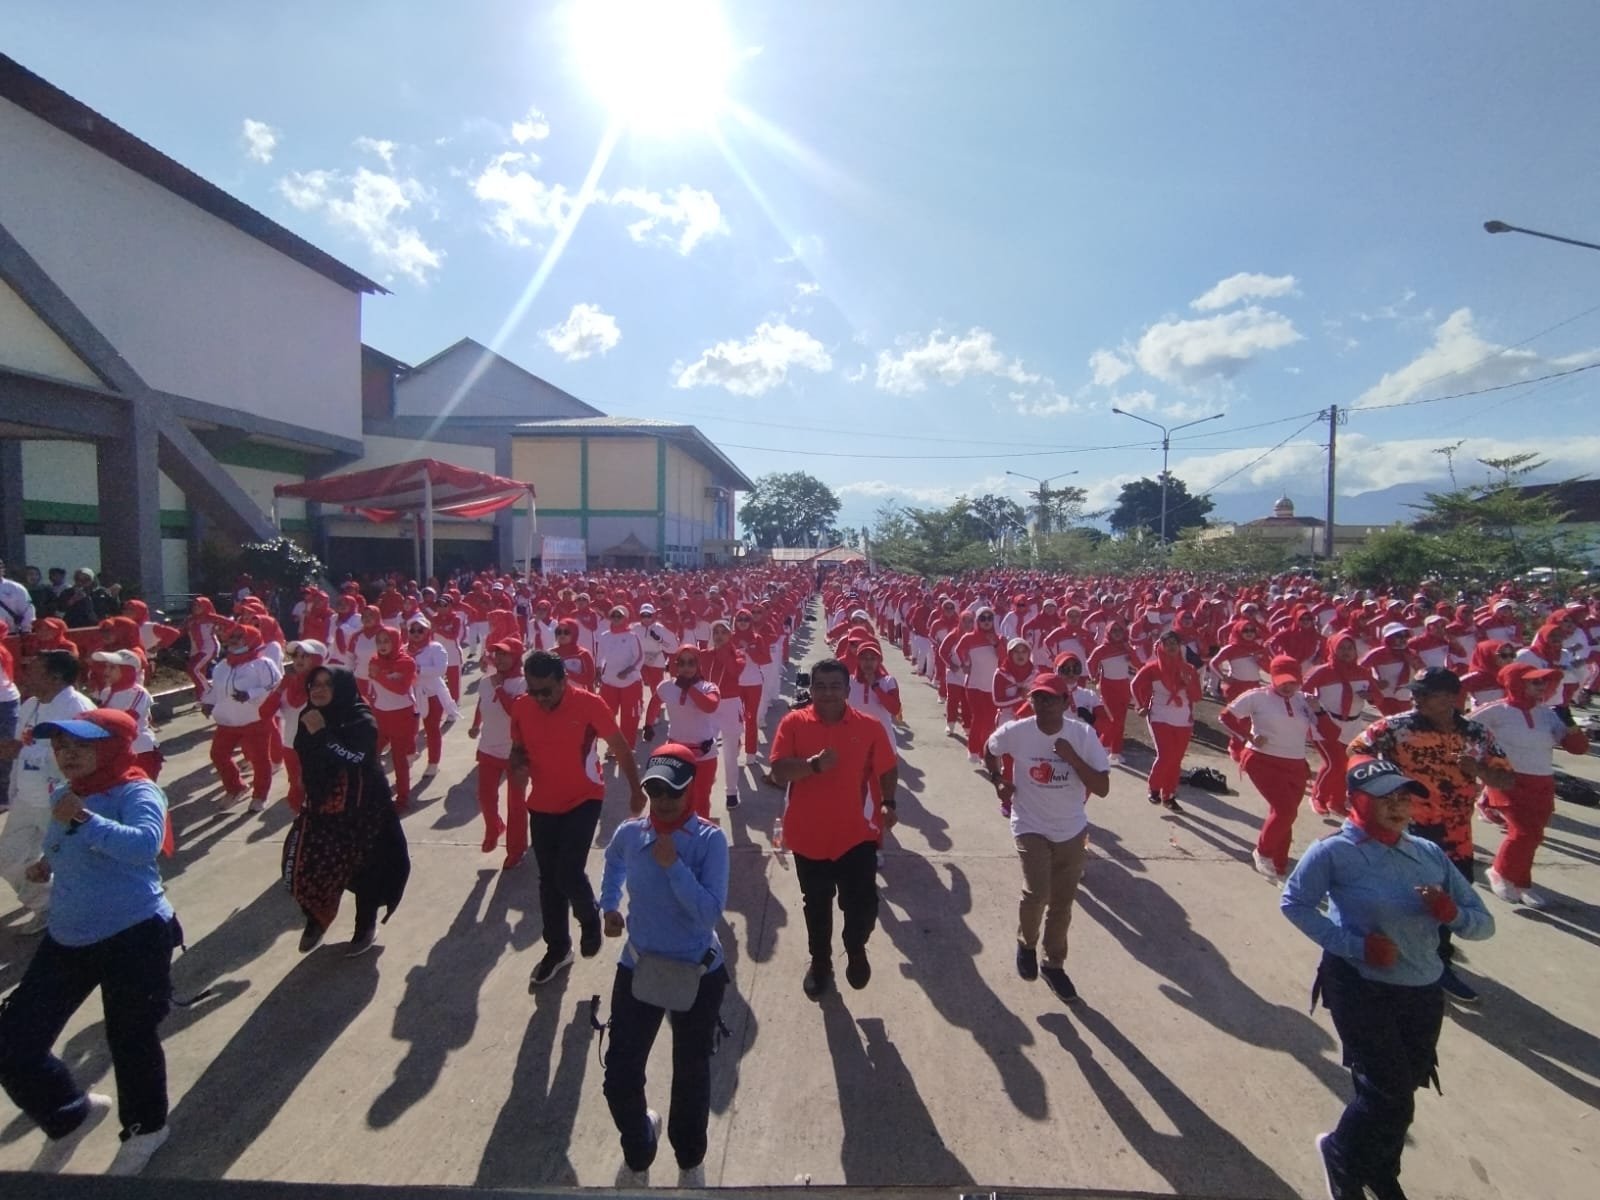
(419, 488)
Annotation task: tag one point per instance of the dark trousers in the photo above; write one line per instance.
(561, 848)
(1390, 1035)
(1447, 949)
(8, 729)
(854, 877)
(133, 970)
(634, 1026)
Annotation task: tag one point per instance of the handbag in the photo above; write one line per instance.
(668, 983)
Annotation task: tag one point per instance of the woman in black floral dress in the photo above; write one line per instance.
(348, 835)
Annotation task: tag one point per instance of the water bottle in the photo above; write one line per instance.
(777, 836)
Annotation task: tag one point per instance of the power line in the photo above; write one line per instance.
(1247, 466)
(1483, 391)
(936, 457)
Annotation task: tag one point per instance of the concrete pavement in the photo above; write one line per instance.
(1192, 1067)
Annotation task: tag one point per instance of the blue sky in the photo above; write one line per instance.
(940, 238)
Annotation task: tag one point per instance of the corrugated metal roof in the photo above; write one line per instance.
(695, 442)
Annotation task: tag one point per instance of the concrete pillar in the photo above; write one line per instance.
(130, 504)
(506, 550)
(13, 541)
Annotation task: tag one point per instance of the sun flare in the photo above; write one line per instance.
(659, 66)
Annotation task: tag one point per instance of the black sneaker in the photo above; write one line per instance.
(733, 799)
(1171, 805)
(817, 981)
(1386, 1189)
(1154, 798)
(647, 735)
(1456, 988)
(857, 970)
(552, 964)
(1057, 981)
(1027, 962)
(589, 940)
(1340, 1185)
(364, 940)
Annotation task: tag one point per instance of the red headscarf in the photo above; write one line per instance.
(1173, 668)
(1331, 670)
(114, 759)
(1514, 678)
(252, 644)
(1362, 816)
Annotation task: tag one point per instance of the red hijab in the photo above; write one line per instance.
(114, 759)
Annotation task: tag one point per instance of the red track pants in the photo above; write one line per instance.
(1232, 689)
(256, 742)
(1118, 695)
(705, 778)
(1171, 742)
(750, 693)
(1281, 782)
(1528, 808)
(652, 676)
(982, 718)
(397, 729)
(625, 703)
(197, 674)
(956, 711)
(1330, 792)
(433, 729)
(515, 823)
(452, 680)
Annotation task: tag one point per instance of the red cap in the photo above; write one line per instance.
(1048, 681)
(1284, 669)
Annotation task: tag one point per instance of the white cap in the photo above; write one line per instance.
(1392, 628)
(121, 658)
(309, 646)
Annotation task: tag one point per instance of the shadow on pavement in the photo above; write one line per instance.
(255, 1074)
(1154, 929)
(1201, 1157)
(1553, 1049)
(889, 1135)
(942, 956)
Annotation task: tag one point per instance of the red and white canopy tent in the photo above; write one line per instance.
(419, 488)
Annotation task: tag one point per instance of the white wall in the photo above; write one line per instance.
(258, 485)
(28, 344)
(60, 471)
(198, 307)
(71, 553)
(386, 451)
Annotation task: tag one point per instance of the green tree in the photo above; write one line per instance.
(1138, 508)
(998, 516)
(1498, 528)
(1056, 508)
(789, 508)
(1396, 557)
(1246, 551)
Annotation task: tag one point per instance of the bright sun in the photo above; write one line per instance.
(660, 66)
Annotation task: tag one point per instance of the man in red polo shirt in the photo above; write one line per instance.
(554, 728)
(840, 773)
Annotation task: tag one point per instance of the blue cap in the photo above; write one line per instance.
(86, 731)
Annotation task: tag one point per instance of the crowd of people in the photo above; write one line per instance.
(1038, 678)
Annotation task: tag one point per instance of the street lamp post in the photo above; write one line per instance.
(1502, 227)
(1043, 494)
(1166, 445)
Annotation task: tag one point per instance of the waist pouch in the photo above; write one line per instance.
(668, 983)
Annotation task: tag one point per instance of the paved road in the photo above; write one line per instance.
(1192, 1067)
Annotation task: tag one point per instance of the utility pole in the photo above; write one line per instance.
(1333, 444)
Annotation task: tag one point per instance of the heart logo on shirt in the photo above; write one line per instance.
(1042, 773)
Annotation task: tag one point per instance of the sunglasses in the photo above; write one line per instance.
(677, 662)
(985, 620)
(657, 789)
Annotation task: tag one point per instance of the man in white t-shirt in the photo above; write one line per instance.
(1056, 764)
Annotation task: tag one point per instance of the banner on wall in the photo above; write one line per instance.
(563, 554)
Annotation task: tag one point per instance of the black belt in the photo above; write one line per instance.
(1351, 717)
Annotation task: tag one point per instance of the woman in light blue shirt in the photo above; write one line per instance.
(1387, 892)
(675, 865)
(110, 927)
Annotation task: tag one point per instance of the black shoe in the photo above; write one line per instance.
(1027, 962)
(312, 937)
(733, 799)
(1456, 988)
(364, 940)
(1171, 805)
(817, 981)
(1340, 1185)
(647, 734)
(857, 970)
(589, 940)
(1057, 981)
(552, 964)
(1386, 1189)
(1154, 798)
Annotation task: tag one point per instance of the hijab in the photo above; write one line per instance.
(1363, 817)
(252, 644)
(114, 758)
(1173, 670)
(1514, 678)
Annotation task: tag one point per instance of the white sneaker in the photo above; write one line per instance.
(134, 1154)
(232, 799)
(1507, 891)
(1534, 899)
(1114, 759)
(692, 1177)
(949, 729)
(58, 1151)
(259, 806)
(1265, 866)
(628, 1179)
(429, 771)
(36, 924)
(973, 758)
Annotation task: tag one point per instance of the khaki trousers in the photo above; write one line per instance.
(1050, 874)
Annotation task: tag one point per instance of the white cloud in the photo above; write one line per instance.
(1108, 367)
(806, 288)
(1461, 360)
(585, 331)
(947, 360)
(856, 375)
(1190, 352)
(519, 200)
(534, 127)
(1244, 286)
(260, 140)
(758, 364)
(381, 147)
(368, 204)
(689, 215)
(1050, 403)
(937, 494)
